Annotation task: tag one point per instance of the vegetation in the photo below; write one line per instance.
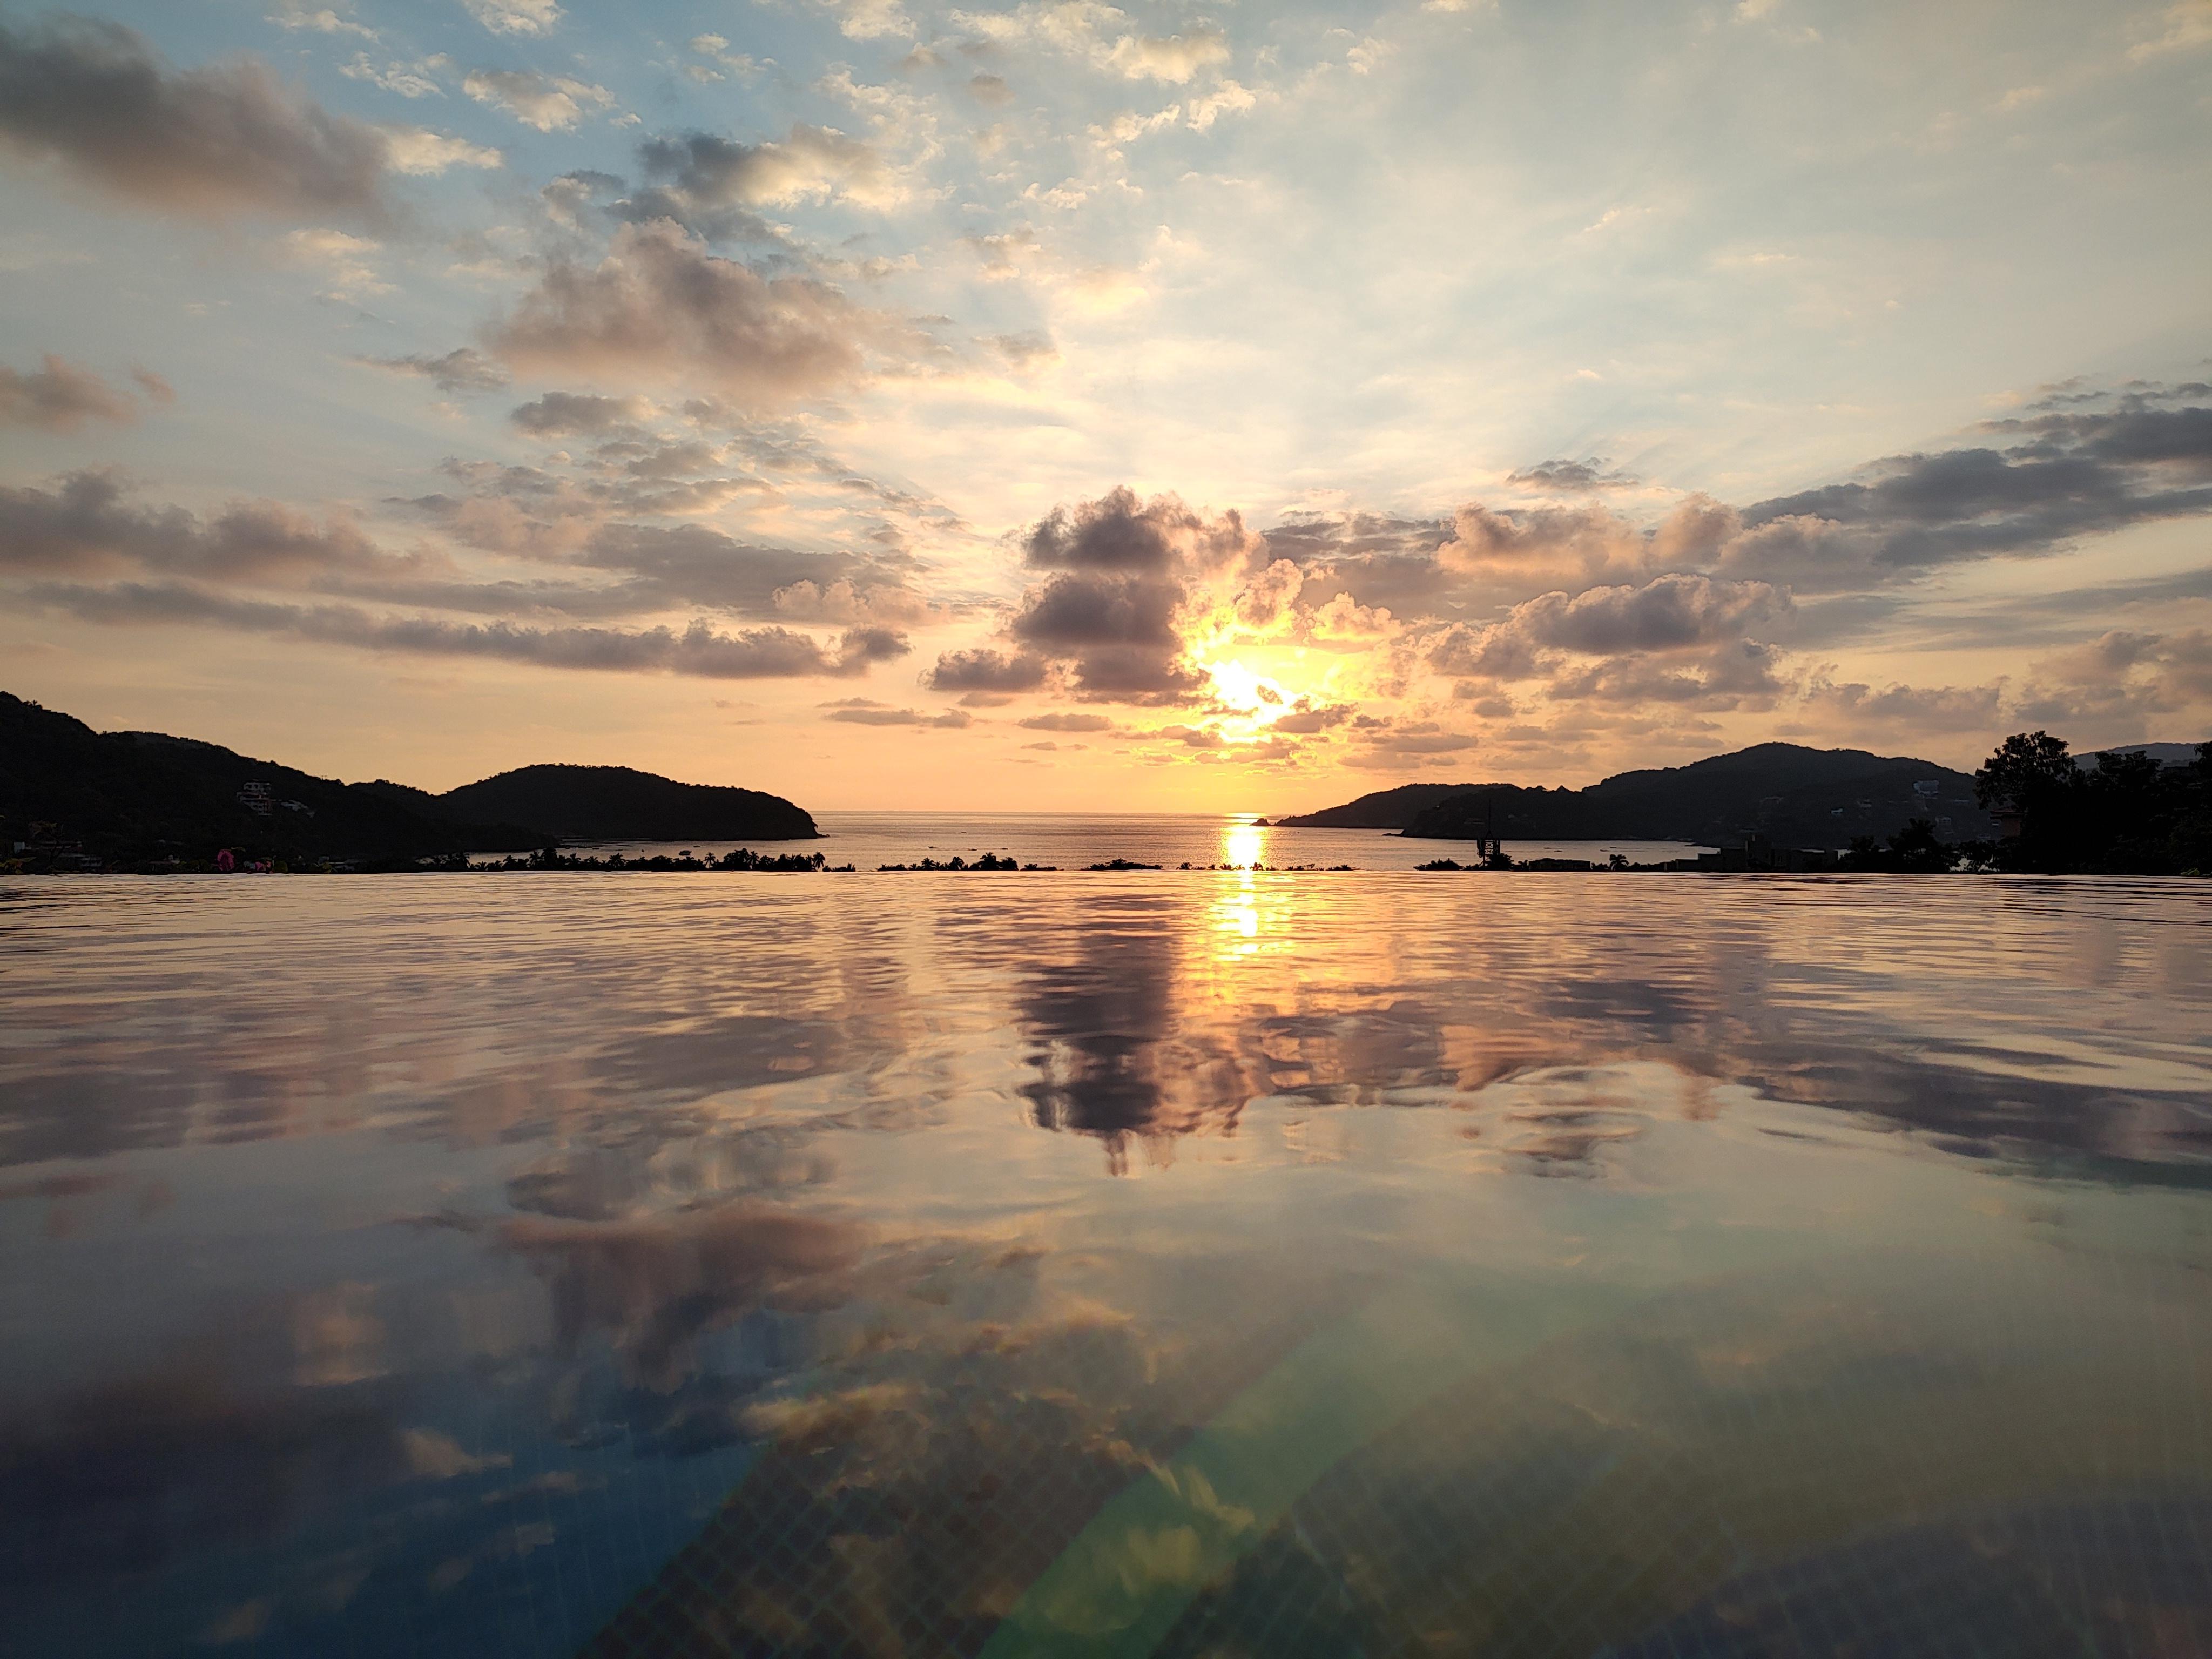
(740, 858)
(989, 861)
(2126, 816)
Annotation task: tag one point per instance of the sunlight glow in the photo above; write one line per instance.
(1244, 844)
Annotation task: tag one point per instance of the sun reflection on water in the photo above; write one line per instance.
(1244, 843)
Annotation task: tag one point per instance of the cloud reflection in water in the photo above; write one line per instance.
(437, 1238)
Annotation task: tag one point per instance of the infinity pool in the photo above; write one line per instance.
(1178, 1264)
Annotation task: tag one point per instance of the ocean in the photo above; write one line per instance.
(870, 840)
(1188, 1263)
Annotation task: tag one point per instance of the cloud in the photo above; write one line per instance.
(464, 369)
(869, 19)
(1031, 349)
(343, 257)
(986, 671)
(59, 397)
(889, 605)
(85, 528)
(698, 650)
(2184, 27)
(1174, 57)
(1669, 614)
(550, 105)
(576, 414)
(660, 305)
(1121, 572)
(1912, 709)
(2068, 474)
(217, 142)
(1305, 717)
(859, 712)
(696, 564)
(1118, 532)
(700, 173)
(1059, 720)
(1421, 738)
(415, 80)
(1565, 477)
(515, 16)
(1085, 29)
(292, 14)
(419, 152)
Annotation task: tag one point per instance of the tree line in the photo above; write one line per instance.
(2127, 815)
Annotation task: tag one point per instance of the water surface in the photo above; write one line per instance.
(1105, 1264)
(1065, 841)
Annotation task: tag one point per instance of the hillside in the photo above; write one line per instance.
(614, 803)
(1386, 809)
(142, 796)
(1793, 795)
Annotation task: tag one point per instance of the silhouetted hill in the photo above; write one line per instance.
(1386, 809)
(141, 797)
(2166, 754)
(1795, 796)
(614, 803)
(144, 796)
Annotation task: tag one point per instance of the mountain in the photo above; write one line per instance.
(122, 797)
(2166, 754)
(1386, 809)
(1794, 796)
(613, 803)
(141, 796)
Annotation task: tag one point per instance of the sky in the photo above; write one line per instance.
(1081, 407)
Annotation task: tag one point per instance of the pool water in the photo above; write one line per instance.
(1102, 1264)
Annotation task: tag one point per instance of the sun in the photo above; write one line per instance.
(1253, 700)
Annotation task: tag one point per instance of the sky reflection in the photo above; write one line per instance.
(429, 1273)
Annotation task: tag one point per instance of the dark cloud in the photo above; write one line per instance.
(1124, 572)
(59, 397)
(1058, 721)
(217, 141)
(707, 182)
(1118, 632)
(2075, 473)
(1306, 717)
(984, 669)
(1118, 532)
(659, 306)
(464, 369)
(698, 650)
(1566, 478)
(86, 528)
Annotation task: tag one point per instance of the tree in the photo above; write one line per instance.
(1916, 848)
(2027, 766)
